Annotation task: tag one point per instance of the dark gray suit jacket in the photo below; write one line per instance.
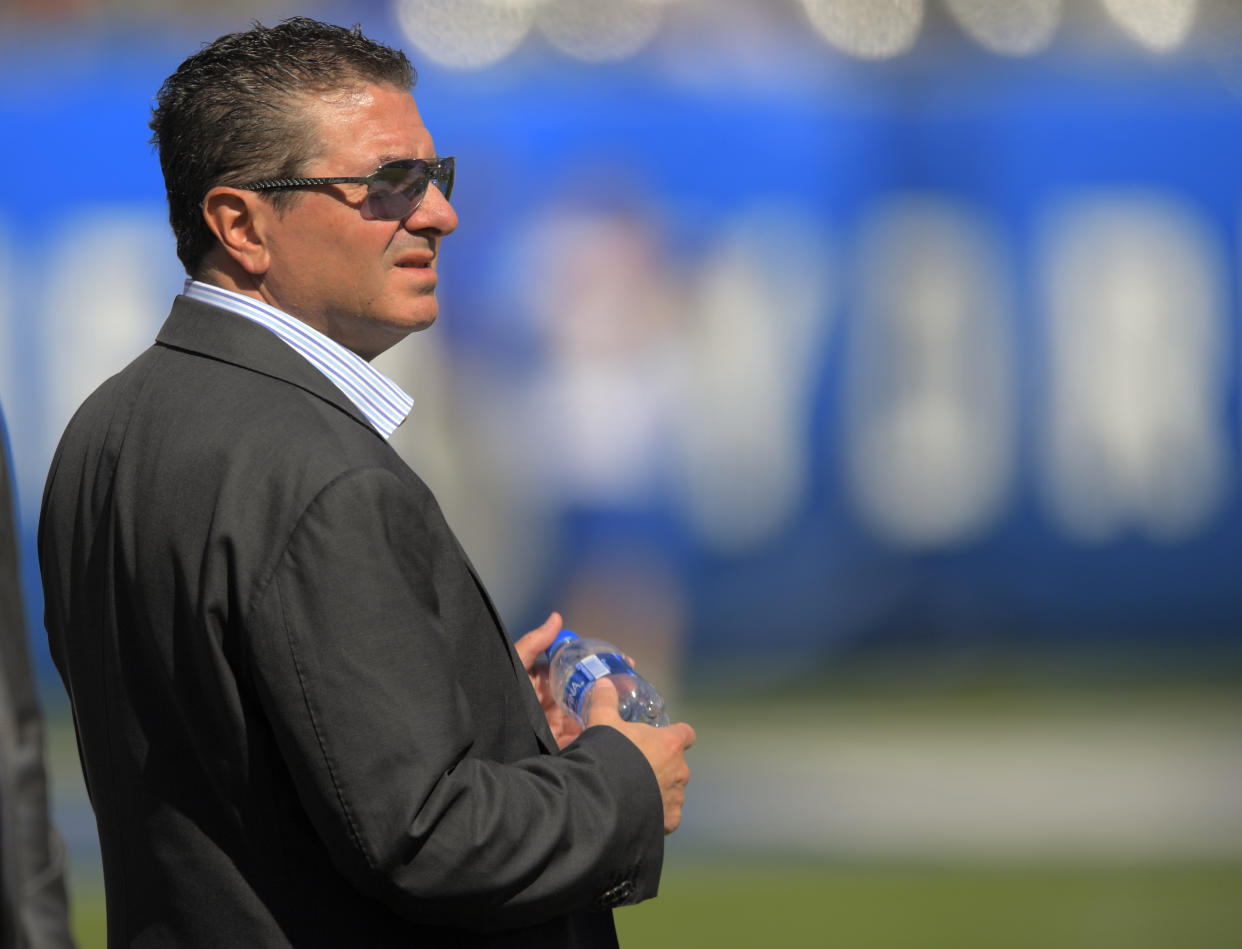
(301, 721)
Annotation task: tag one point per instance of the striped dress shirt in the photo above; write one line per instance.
(384, 403)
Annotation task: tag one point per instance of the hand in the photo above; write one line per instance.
(531, 649)
(664, 748)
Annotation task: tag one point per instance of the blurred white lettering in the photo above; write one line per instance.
(761, 310)
(930, 407)
(1134, 432)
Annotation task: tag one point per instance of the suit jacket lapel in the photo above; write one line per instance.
(209, 331)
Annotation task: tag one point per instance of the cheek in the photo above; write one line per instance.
(343, 261)
(349, 264)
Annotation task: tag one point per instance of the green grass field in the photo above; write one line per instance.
(741, 903)
(886, 907)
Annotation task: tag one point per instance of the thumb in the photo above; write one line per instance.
(531, 646)
(602, 704)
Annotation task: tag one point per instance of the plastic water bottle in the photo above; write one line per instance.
(576, 664)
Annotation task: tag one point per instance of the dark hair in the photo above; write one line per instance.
(232, 113)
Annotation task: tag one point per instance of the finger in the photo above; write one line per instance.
(602, 704)
(565, 728)
(534, 643)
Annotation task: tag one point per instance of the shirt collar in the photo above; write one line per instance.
(384, 403)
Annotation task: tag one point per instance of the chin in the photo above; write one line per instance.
(383, 336)
(415, 321)
(421, 314)
(425, 322)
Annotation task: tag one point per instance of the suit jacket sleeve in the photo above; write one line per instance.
(376, 695)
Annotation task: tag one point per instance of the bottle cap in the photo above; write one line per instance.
(564, 636)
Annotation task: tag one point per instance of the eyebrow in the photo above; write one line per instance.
(390, 156)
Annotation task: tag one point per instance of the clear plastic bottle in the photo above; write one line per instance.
(575, 665)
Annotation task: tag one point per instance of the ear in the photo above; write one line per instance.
(239, 221)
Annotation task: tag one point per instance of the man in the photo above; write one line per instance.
(34, 910)
(301, 721)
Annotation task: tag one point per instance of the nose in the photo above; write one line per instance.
(434, 213)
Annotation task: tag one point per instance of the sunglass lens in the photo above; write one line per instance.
(397, 188)
(444, 177)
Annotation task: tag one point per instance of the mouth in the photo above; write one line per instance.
(416, 263)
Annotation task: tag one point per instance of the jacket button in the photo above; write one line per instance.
(617, 895)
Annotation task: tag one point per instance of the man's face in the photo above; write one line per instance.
(364, 282)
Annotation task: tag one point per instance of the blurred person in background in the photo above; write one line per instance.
(301, 720)
(34, 913)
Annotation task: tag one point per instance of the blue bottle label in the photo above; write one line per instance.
(586, 671)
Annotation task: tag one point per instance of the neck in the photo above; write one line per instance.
(229, 278)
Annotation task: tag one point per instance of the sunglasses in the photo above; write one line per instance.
(394, 190)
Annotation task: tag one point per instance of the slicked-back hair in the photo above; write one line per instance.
(237, 112)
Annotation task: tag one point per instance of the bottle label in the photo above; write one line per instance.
(586, 671)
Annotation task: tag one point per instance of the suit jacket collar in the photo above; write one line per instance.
(197, 327)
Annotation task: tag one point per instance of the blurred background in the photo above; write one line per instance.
(868, 371)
